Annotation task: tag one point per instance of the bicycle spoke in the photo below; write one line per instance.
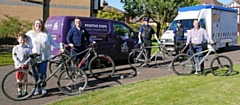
(221, 66)
(71, 81)
(12, 87)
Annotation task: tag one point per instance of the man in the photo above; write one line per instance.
(195, 37)
(179, 36)
(76, 39)
(145, 35)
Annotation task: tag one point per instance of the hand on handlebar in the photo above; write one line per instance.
(70, 44)
(213, 43)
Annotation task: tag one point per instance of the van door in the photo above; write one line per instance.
(100, 32)
(54, 27)
(125, 40)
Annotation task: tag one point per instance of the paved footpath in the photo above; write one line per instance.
(121, 70)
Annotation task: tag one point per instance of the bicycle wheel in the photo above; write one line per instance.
(137, 59)
(221, 66)
(11, 88)
(56, 61)
(182, 64)
(72, 81)
(101, 67)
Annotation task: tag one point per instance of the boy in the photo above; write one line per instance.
(19, 55)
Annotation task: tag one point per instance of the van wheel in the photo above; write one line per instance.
(225, 48)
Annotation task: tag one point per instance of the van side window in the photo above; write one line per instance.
(202, 23)
(121, 30)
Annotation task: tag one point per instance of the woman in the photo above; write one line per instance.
(40, 41)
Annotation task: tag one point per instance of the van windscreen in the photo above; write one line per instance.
(188, 24)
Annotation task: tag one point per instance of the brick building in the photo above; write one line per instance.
(34, 9)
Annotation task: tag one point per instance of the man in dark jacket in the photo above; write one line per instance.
(76, 39)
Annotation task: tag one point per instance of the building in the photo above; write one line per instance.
(42, 9)
(215, 2)
(236, 5)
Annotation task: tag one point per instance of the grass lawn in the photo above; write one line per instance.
(167, 90)
(238, 39)
(6, 58)
(155, 48)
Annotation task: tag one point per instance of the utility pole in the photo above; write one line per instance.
(44, 10)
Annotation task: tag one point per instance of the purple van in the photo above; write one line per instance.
(113, 38)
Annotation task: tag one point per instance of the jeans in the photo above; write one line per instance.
(42, 70)
(77, 59)
(198, 49)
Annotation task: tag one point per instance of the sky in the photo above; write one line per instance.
(225, 1)
(117, 4)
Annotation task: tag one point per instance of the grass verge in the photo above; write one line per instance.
(167, 90)
(6, 58)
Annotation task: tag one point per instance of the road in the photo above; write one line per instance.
(121, 70)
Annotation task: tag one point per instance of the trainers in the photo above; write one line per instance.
(25, 93)
(36, 92)
(192, 72)
(19, 94)
(44, 91)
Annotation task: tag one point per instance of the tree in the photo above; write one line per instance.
(110, 14)
(13, 26)
(132, 7)
(161, 11)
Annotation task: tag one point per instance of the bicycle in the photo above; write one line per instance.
(101, 66)
(139, 58)
(75, 80)
(183, 64)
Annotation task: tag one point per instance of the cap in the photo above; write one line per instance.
(179, 21)
(146, 19)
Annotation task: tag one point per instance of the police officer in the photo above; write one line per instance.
(179, 36)
(145, 35)
(76, 39)
(195, 36)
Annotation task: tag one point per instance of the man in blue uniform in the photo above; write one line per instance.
(76, 39)
(179, 36)
(145, 35)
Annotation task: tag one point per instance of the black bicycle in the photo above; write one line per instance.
(101, 66)
(74, 82)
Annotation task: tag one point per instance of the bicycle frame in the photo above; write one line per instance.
(86, 56)
(33, 62)
(198, 63)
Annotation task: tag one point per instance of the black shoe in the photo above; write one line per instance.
(203, 73)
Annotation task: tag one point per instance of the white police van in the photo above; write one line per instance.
(219, 22)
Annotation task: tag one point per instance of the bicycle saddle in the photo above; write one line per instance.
(34, 55)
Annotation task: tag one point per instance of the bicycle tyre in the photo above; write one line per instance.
(221, 69)
(68, 84)
(135, 61)
(9, 84)
(55, 61)
(102, 67)
(182, 65)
